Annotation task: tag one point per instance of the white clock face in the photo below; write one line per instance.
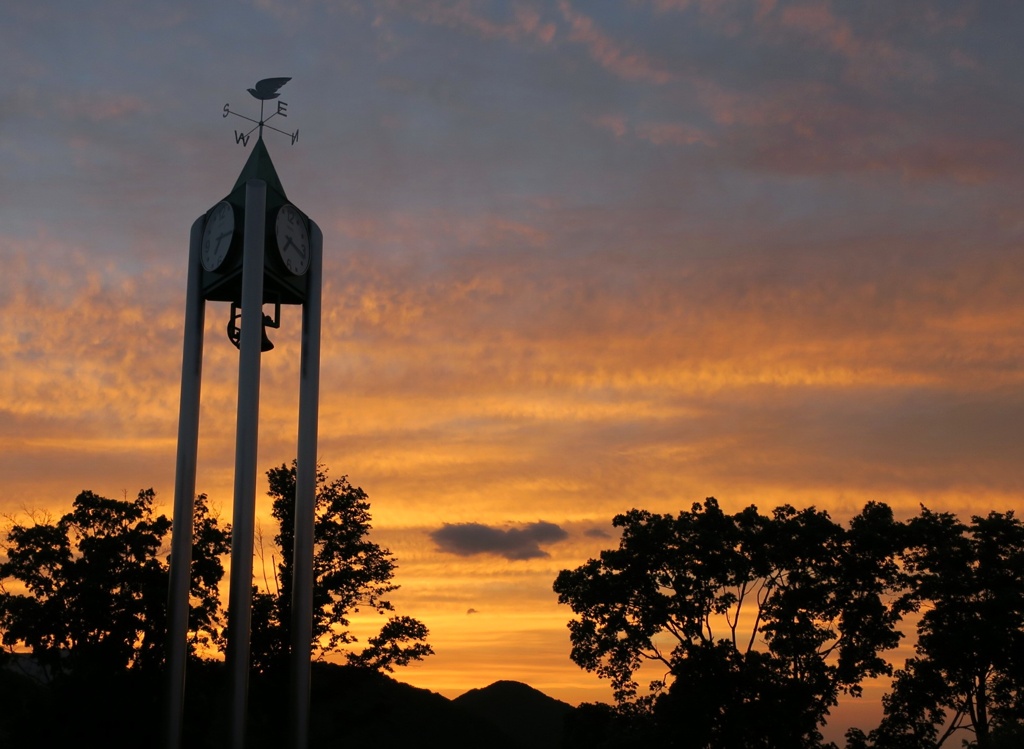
(292, 239)
(220, 229)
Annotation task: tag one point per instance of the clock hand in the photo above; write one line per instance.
(298, 249)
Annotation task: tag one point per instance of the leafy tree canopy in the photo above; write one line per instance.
(89, 591)
(350, 572)
(95, 588)
(757, 622)
(967, 581)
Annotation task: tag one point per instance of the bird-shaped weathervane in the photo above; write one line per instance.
(264, 91)
(267, 88)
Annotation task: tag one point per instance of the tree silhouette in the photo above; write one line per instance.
(96, 590)
(350, 572)
(757, 623)
(968, 672)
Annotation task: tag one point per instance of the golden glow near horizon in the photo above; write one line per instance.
(580, 257)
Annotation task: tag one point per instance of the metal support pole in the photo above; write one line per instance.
(246, 443)
(184, 493)
(305, 495)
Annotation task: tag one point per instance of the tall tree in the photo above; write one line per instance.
(757, 622)
(968, 671)
(95, 589)
(350, 572)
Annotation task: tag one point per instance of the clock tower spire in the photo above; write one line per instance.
(251, 249)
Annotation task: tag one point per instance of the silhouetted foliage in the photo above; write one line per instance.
(596, 725)
(757, 623)
(87, 595)
(968, 672)
(350, 572)
(95, 589)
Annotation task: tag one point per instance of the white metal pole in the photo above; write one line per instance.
(184, 492)
(305, 495)
(246, 443)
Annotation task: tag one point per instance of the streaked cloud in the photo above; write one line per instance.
(581, 257)
(631, 65)
(521, 20)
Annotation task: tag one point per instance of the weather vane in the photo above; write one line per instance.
(264, 91)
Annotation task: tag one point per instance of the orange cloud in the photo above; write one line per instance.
(548, 297)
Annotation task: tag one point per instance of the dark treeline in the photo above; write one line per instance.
(716, 630)
(86, 595)
(753, 626)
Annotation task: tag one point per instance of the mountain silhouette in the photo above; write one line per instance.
(523, 715)
(360, 707)
(350, 706)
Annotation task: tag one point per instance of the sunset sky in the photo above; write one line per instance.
(579, 257)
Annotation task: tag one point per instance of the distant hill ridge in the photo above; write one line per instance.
(357, 707)
(349, 707)
(524, 716)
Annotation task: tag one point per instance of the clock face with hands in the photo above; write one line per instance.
(220, 230)
(292, 239)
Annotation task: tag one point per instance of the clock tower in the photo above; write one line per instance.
(255, 251)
